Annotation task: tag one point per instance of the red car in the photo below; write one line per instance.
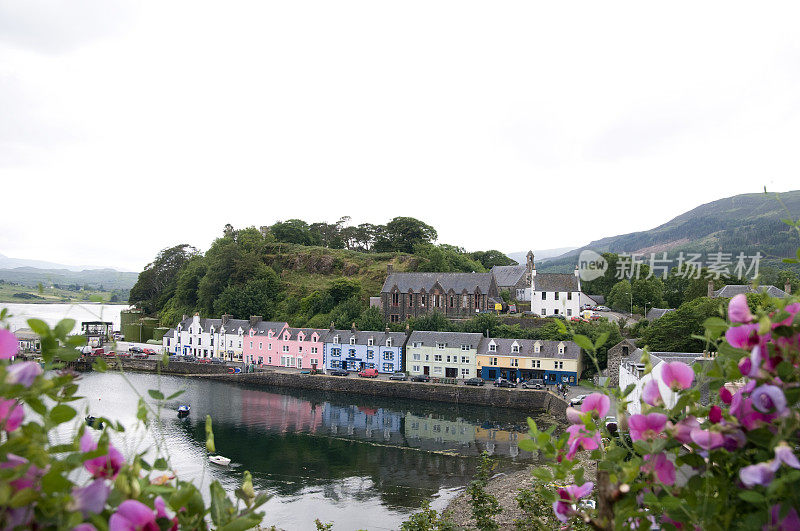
(204, 360)
(368, 373)
(149, 351)
(122, 354)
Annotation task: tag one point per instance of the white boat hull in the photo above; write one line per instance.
(219, 460)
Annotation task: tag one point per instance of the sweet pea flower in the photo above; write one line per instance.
(90, 499)
(161, 512)
(9, 345)
(647, 427)
(574, 416)
(758, 474)
(662, 466)
(104, 466)
(23, 373)
(715, 414)
(677, 375)
(682, 430)
(707, 439)
(597, 403)
(133, 515)
(11, 415)
(784, 454)
(84, 527)
(738, 310)
(769, 399)
(725, 395)
(567, 498)
(733, 440)
(29, 480)
(743, 336)
(749, 418)
(650, 393)
(579, 437)
(790, 523)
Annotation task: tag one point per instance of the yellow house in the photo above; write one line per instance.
(442, 354)
(524, 359)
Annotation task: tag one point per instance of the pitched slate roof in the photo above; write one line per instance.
(362, 336)
(508, 275)
(731, 290)
(599, 299)
(294, 333)
(451, 339)
(547, 349)
(555, 282)
(458, 282)
(657, 313)
(262, 327)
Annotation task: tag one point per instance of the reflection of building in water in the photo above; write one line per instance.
(499, 442)
(465, 437)
(376, 424)
(282, 413)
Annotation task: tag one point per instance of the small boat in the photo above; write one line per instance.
(183, 411)
(94, 422)
(219, 460)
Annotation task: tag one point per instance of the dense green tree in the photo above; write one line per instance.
(403, 233)
(156, 283)
(189, 281)
(221, 261)
(673, 332)
(257, 297)
(435, 321)
(371, 319)
(446, 259)
(491, 258)
(648, 292)
(345, 314)
(620, 296)
(293, 231)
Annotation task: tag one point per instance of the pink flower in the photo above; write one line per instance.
(662, 466)
(104, 466)
(23, 373)
(9, 345)
(677, 375)
(567, 498)
(133, 515)
(574, 416)
(161, 512)
(683, 429)
(90, 499)
(738, 310)
(579, 437)
(790, 523)
(30, 479)
(648, 426)
(597, 403)
(742, 409)
(11, 415)
(650, 393)
(725, 395)
(758, 474)
(734, 440)
(84, 527)
(750, 366)
(715, 415)
(706, 439)
(744, 336)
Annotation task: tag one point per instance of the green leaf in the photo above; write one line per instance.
(527, 445)
(155, 394)
(221, 506)
(100, 365)
(752, 496)
(68, 354)
(715, 325)
(39, 326)
(601, 340)
(176, 394)
(63, 328)
(210, 436)
(160, 464)
(141, 411)
(543, 474)
(23, 497)
(54, 481)
(584, 342)
(241, 523)
(62, 413)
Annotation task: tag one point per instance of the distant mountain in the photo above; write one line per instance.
(109, 279)
(742, 223)
(539, 255)
(6, 262)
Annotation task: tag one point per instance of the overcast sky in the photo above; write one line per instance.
(126, 128)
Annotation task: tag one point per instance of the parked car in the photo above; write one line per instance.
(203, 360)
(577, 319)
(135, 350)
(149, 351)
(532, 384)
(190, 359)
(398, 376)
(338, 372)
(217, 361)
(603, 309)
(421, 378)
(502, 382)
(98, 352)
(474, 381)
(110, 354)
(578, 400)
(557, 316)
(141, 356)
(122, 354)
(368, 373)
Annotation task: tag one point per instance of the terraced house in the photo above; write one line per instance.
(442, 354)
(523, 359)
(457, 295)
(356, 350)
(299, 348)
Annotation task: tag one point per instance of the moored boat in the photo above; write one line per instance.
(219, 460)
(183, 411)
(94, 422)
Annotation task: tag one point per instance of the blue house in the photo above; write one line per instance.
(356, 350)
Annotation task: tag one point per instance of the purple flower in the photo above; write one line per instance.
(707, 439)
(84, 527)
(650, 393)
(738, 310)
(647, 426)
(9, 345)
(715, 415)
(662, 466)
(29, 479)
(597, 403)
(133, 515)
(784, 454)
(567, 497)
(743, 336)
(769, 399)
(23, 373)
(11, 415)
(574, 416)
(734, 440)
(790, 523)
(683, 429)
(725, 395)
(758, 474)
(90, 499)
(677, 375)
(104, 466)
(579, 437)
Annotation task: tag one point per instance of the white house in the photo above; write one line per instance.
(209, 338)
(556, 293)
(632, 371)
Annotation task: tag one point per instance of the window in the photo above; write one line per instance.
(537, 347)
(416, 357)
(199, 340)
(286, 348)
(536, 364)
(389, 342)
(388, 356)
(314, 350)
(410, 300)
(555, 311)
(544, 295)
(559, 364)
(353, 340)
(351, 353)
(441, 346)
(569, 295)
(448, 358)
(394, 318)
(388, 367)
(334, 364)
(190, 340)
(336, 352)
(370, 342)
(269, 360)
(464, 301)
(335, 340)
(260, 346)
(464, 373)
(464, 359)
(557, 294)
(370, 354)
(437, 357)
(395, 298)
(167, 341)
(492, 348)
(437, 370)
(520, 294)
(269, 346)
(464, 347)
(560, 349)
(544, 312)
(423, 300)
(493, 361)
(212, 341)
(452, 301)
(314, 361)
(515, 348)
(514, 362)
(569, 312)
(300, 349)
(415, 368)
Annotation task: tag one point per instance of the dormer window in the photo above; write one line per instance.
(515, 348)
(335, 340)
(561, 348)
(389, 342)
(286, 336)
(370, 342)
(537, 347)
(492, 347)
(441, 346)
(353, 340)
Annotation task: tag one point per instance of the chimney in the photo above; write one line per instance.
(353, 328)
(226, 318)
(710, 289)
(254, 320)
(408, 328)
(389, 268)
(388, 329)
(184, 317)
(333, 327)
(787, 288)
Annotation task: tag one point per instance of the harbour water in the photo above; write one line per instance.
(361, 462)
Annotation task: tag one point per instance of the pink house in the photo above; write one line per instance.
(299, 348)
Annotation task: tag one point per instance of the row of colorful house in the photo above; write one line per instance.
(436, 354)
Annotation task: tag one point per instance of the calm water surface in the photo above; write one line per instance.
(53, 313)
(362, 462)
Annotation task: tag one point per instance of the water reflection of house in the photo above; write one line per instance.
(499, 442)
(363, 423)
(278, 412)
(440, 431)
